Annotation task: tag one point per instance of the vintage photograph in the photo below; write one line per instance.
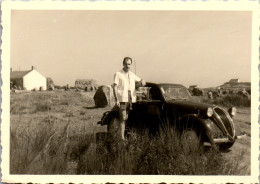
(123, 91)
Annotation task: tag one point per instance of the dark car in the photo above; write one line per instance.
(160, 105)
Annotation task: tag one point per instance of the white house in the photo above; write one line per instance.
(30, 79)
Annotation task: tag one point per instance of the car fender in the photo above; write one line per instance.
(189, 120)
(108, 116)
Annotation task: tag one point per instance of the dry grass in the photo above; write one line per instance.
(230, 100)
(160, 155)
(49, 134)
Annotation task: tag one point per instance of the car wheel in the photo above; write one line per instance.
(113, 128)
(225, 146)
(190, 141)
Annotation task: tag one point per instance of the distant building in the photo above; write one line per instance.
(89, 84)
(30, 79)
(234, 81)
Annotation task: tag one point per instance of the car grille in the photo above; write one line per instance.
(225, 121)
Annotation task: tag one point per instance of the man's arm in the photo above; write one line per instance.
(114, 86)
(139, 80)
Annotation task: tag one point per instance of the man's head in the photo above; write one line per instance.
(127, 62)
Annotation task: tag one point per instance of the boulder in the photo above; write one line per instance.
(244, 93)
(191, 88)
(249, 91)
(223, 92)
(51, 87)
(197, 92)
(49, 82)
(102, 96)
(67, 87)
(215, 94)
(210, 95)
(88, 88)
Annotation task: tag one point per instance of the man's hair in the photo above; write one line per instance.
(127, 58)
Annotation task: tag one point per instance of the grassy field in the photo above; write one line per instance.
(54, 132)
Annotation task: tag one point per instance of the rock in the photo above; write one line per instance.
(49, 82)
(67, 87)
(215, 94)
(102, 96)
(51, 87)
(210, 95)
(88, 88)
(197, 91)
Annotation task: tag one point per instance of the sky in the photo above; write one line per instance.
(204, 48)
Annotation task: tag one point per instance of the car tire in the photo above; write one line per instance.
(113, 128)
(191, 140)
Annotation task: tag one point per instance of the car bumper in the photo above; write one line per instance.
(223, 140)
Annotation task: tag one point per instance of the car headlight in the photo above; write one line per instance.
(209, 112)
(232, 111)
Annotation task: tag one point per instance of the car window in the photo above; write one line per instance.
(171, 92)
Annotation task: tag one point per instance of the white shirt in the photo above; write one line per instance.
(125, 81)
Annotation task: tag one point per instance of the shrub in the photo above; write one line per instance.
(64, 102)
(18, 108)
(230, 100)
(42, 107)
(234, 100)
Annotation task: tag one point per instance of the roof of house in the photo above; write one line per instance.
(234, 80)
(18, 74)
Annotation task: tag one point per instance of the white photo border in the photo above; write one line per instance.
(8, 6)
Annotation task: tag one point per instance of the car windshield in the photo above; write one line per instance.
(174, 93)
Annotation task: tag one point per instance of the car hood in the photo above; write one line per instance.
(189, 104)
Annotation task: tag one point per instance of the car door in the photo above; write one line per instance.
(137, 116)
(153, 110)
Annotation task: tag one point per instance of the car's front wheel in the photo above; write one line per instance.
(191, 140)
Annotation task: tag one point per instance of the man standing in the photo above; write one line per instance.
(124, 91)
